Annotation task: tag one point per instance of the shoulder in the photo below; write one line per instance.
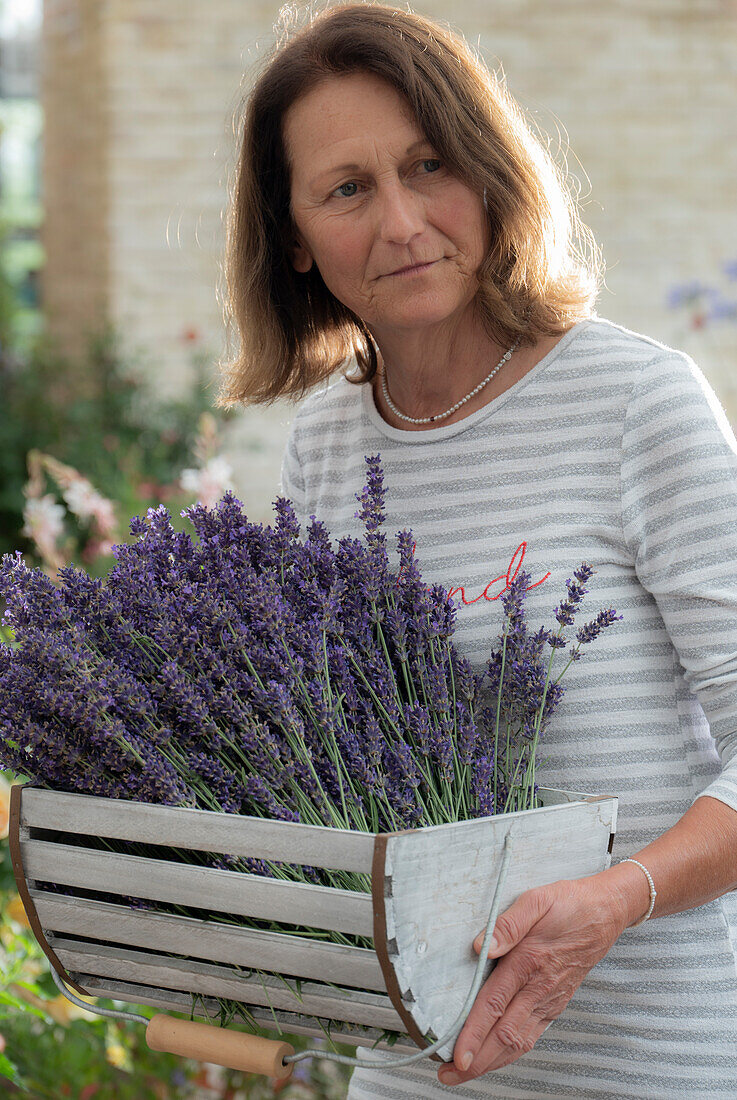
(628, 345)
(641, 363)
(661, 387)
(328, 401)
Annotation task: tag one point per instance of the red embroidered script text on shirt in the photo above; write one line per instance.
(507, 578)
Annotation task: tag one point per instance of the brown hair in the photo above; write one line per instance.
(536, 280)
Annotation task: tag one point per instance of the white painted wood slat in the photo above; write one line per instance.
(218, 942)
(201, 887)
(208, 1009)
(189, 975)
(199, 830)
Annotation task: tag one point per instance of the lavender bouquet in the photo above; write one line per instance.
(255, 673)
(251, 672)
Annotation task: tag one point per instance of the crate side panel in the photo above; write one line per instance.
(442, 888)
(199, 830)
(183, 884)
(211, 940)
(315, 999)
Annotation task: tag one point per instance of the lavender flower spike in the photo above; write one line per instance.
(576, 590)
(372, 498)
(594, 628)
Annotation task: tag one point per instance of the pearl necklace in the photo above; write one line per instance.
(441, 416)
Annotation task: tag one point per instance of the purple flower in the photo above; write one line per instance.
(686, 293)
(519, 679)
(593, 629)
(372, 498)
(250, 671)
(576, 589)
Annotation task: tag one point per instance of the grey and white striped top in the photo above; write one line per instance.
(612, 450)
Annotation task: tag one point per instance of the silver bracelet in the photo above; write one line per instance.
(653, 891)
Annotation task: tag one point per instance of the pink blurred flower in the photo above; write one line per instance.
(86, 503)
(4, 812)
(209, 482)
(44, 523)
(96, 548)
(44, 516)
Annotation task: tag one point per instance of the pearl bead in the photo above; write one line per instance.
(441, 416)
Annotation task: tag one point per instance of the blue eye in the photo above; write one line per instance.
(352, 183)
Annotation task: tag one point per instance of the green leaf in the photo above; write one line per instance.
(20, 1005)
(8, 1070)
(30, 986)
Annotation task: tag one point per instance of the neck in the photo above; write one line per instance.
(426, 380)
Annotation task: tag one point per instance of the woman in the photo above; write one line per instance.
(394, 210)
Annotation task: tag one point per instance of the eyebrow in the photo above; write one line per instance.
(358, 168)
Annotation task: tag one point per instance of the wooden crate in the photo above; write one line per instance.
(431, 894)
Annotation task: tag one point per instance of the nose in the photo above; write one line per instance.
(401, 213)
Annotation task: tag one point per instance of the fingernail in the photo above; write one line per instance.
(493, 943)
(450, 1078)
(466, 1060)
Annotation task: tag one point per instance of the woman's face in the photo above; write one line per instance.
(370, 196)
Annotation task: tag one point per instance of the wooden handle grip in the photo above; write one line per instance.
(206, 1043)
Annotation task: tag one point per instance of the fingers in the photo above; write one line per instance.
(542, 955)
(494, 998)
(514, 1034)
(515, 922)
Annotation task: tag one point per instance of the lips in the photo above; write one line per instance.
(412, 267)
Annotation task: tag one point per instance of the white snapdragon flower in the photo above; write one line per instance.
(44, 522)
(84, 500)
(209, 482)
(81, 498)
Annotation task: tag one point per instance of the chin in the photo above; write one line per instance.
(419, 311)
(417, 321)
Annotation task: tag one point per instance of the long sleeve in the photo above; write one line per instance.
(679, 514)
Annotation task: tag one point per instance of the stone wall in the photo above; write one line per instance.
(76, 232)
(139, 98)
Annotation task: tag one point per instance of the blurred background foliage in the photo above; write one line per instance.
(96, 416)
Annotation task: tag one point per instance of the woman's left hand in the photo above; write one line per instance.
(547, 942)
